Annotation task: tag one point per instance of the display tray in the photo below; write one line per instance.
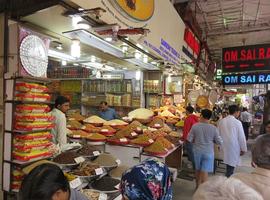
(141, 144)
(95, 143)
(98, 140)
(117, 142)
(94, 124)
(107, 133)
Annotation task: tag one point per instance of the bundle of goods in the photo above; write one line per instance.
(33, 126)
(30, 154)
(34, 136)
(17, 177)
(33, 117)
(107, 130)
(29, 145)
(31, 87)
(117, 141)
(156, 123)
(94, 120)
(74, 125)
(32, 108)
(96, 137)
(156, 148)
(76, 116)
(78, 134)
(142, 140)
(142, 115)
(30, 96)
(106, 160)
(91, 128)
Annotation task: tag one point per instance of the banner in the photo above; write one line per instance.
(240, 79)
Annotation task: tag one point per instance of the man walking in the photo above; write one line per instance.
(246, 119)
(234, 141)
(190, 120)
(203, 136)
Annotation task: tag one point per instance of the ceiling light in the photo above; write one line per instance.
(125, 68)
(138, 75)
(108, 39)
(98, 75)
(137, 55)
(64, 63)
(80, 9)
(75, 20)
(93, 59)
(124, 48)
(169, 79)
(153, 62)
(83, 25)
(75, 64)
(75, 48)
(145, 59)
(60, 55)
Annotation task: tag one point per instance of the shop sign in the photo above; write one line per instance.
(192, 41)
(246, 58)
(239, 79)
(135, 10)
(219, 74)
(165, 50)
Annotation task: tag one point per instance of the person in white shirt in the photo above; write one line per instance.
(60, 130)
(246, 119)
(234, 142)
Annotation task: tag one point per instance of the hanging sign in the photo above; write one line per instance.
(246, 58)
(239, 79)
(192, 41)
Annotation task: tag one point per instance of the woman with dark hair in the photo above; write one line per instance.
(149, 180)
(47, 182)
(60, 131)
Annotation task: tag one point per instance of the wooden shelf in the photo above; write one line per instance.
(31, 79)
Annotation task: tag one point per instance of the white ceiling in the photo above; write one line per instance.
(227, 23)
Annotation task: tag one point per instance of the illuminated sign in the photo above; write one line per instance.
(240, 79)
(246, 58)
(192, 41)
(219, 74)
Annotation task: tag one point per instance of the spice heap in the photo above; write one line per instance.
(141, 113)
(78, 134)
(165, 143)
(116, 140)
(90, 194)
(105, 184)
(86, 150)
(90, 128)
(142, 140)
(76, 116)
(156, 148)
(94, 120)
(105, 160)
(173, 140)
(107, 128)
(85, 169)
(156, 123)
(96, 137)
(115, 122)
(74, 125)
(117, 172)
(66, 158)
(155, 134)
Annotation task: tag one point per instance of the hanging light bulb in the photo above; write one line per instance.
(145, 59)
(169, 79)
(137, 55)
(64, 63)
(75, 48)
(138, 75)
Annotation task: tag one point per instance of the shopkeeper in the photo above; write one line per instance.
(105, 112)
(60, 131)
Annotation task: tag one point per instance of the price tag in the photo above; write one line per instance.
(79, 159)
(151, 141)
(123, 140)
(96, 153)
(76, 136)
(83, 127)
(102, 196)
(166, 149)
(104, 130)
(118, 162)
(157, 125)
(71, 119)
(99, 171)
(75, 183)
(117, 186)
(134, 134)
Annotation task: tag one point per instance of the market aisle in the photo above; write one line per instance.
(183, 189)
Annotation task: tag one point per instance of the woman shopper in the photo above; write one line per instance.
(47, 182)
(149, 180)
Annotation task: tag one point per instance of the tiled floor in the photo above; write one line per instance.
(183, 189)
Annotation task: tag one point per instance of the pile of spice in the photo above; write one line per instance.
(86, 150)
(173, 140)
(105, 160)
(115, 122)
(85, 169)
(76, 116)
(96, 137)
(117, 172)
(142, 140)
(156, 148)
(78, 134)
(73, 124)
(105, 184)
(156, 123)
(90, 128)
(66, 158)
(165, 143)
